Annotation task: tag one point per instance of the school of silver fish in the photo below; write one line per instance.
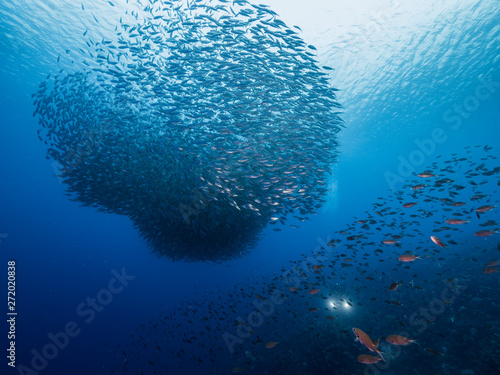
(203, 122)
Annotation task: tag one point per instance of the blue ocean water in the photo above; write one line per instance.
(419, 86)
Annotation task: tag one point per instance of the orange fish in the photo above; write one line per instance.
(366, 341)
(314, 291)
(271, 344)
(399, 340)
(426, 175)
(238, 369)
(368, 359)
(317, 267)
(408, 258)
(437, 241)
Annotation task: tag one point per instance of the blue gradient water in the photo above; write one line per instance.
(403, 70)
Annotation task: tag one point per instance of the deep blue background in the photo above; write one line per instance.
(65, 253)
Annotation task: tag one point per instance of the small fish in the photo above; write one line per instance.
(368, 359)
(271, 344)
(426, 174)
(435, 352)
(455, 221)
(437, 241)
(399, 340)
(394, 286)
(477, 197)
(485, 233)
(418, 187)
(313, 309)
(317, 267)
(493, 263)
(488, 270)
(389, 242)
(409, 204)
(485, 208)
(408, 258)
(367, 341)
(314, 291)
(237, 369)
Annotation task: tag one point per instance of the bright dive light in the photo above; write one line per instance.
(346, 305)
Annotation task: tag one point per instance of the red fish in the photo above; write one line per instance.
(484, 208)
(437, 241)
(409, 204)
(490, 270)
(418, 187)
(368, 359)
(493, 263)
(313, 309)
(485, 233)
(399, 340)
(314, 291)
(408, 258)
(367, 341)
(456, 221)
(317, 267)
